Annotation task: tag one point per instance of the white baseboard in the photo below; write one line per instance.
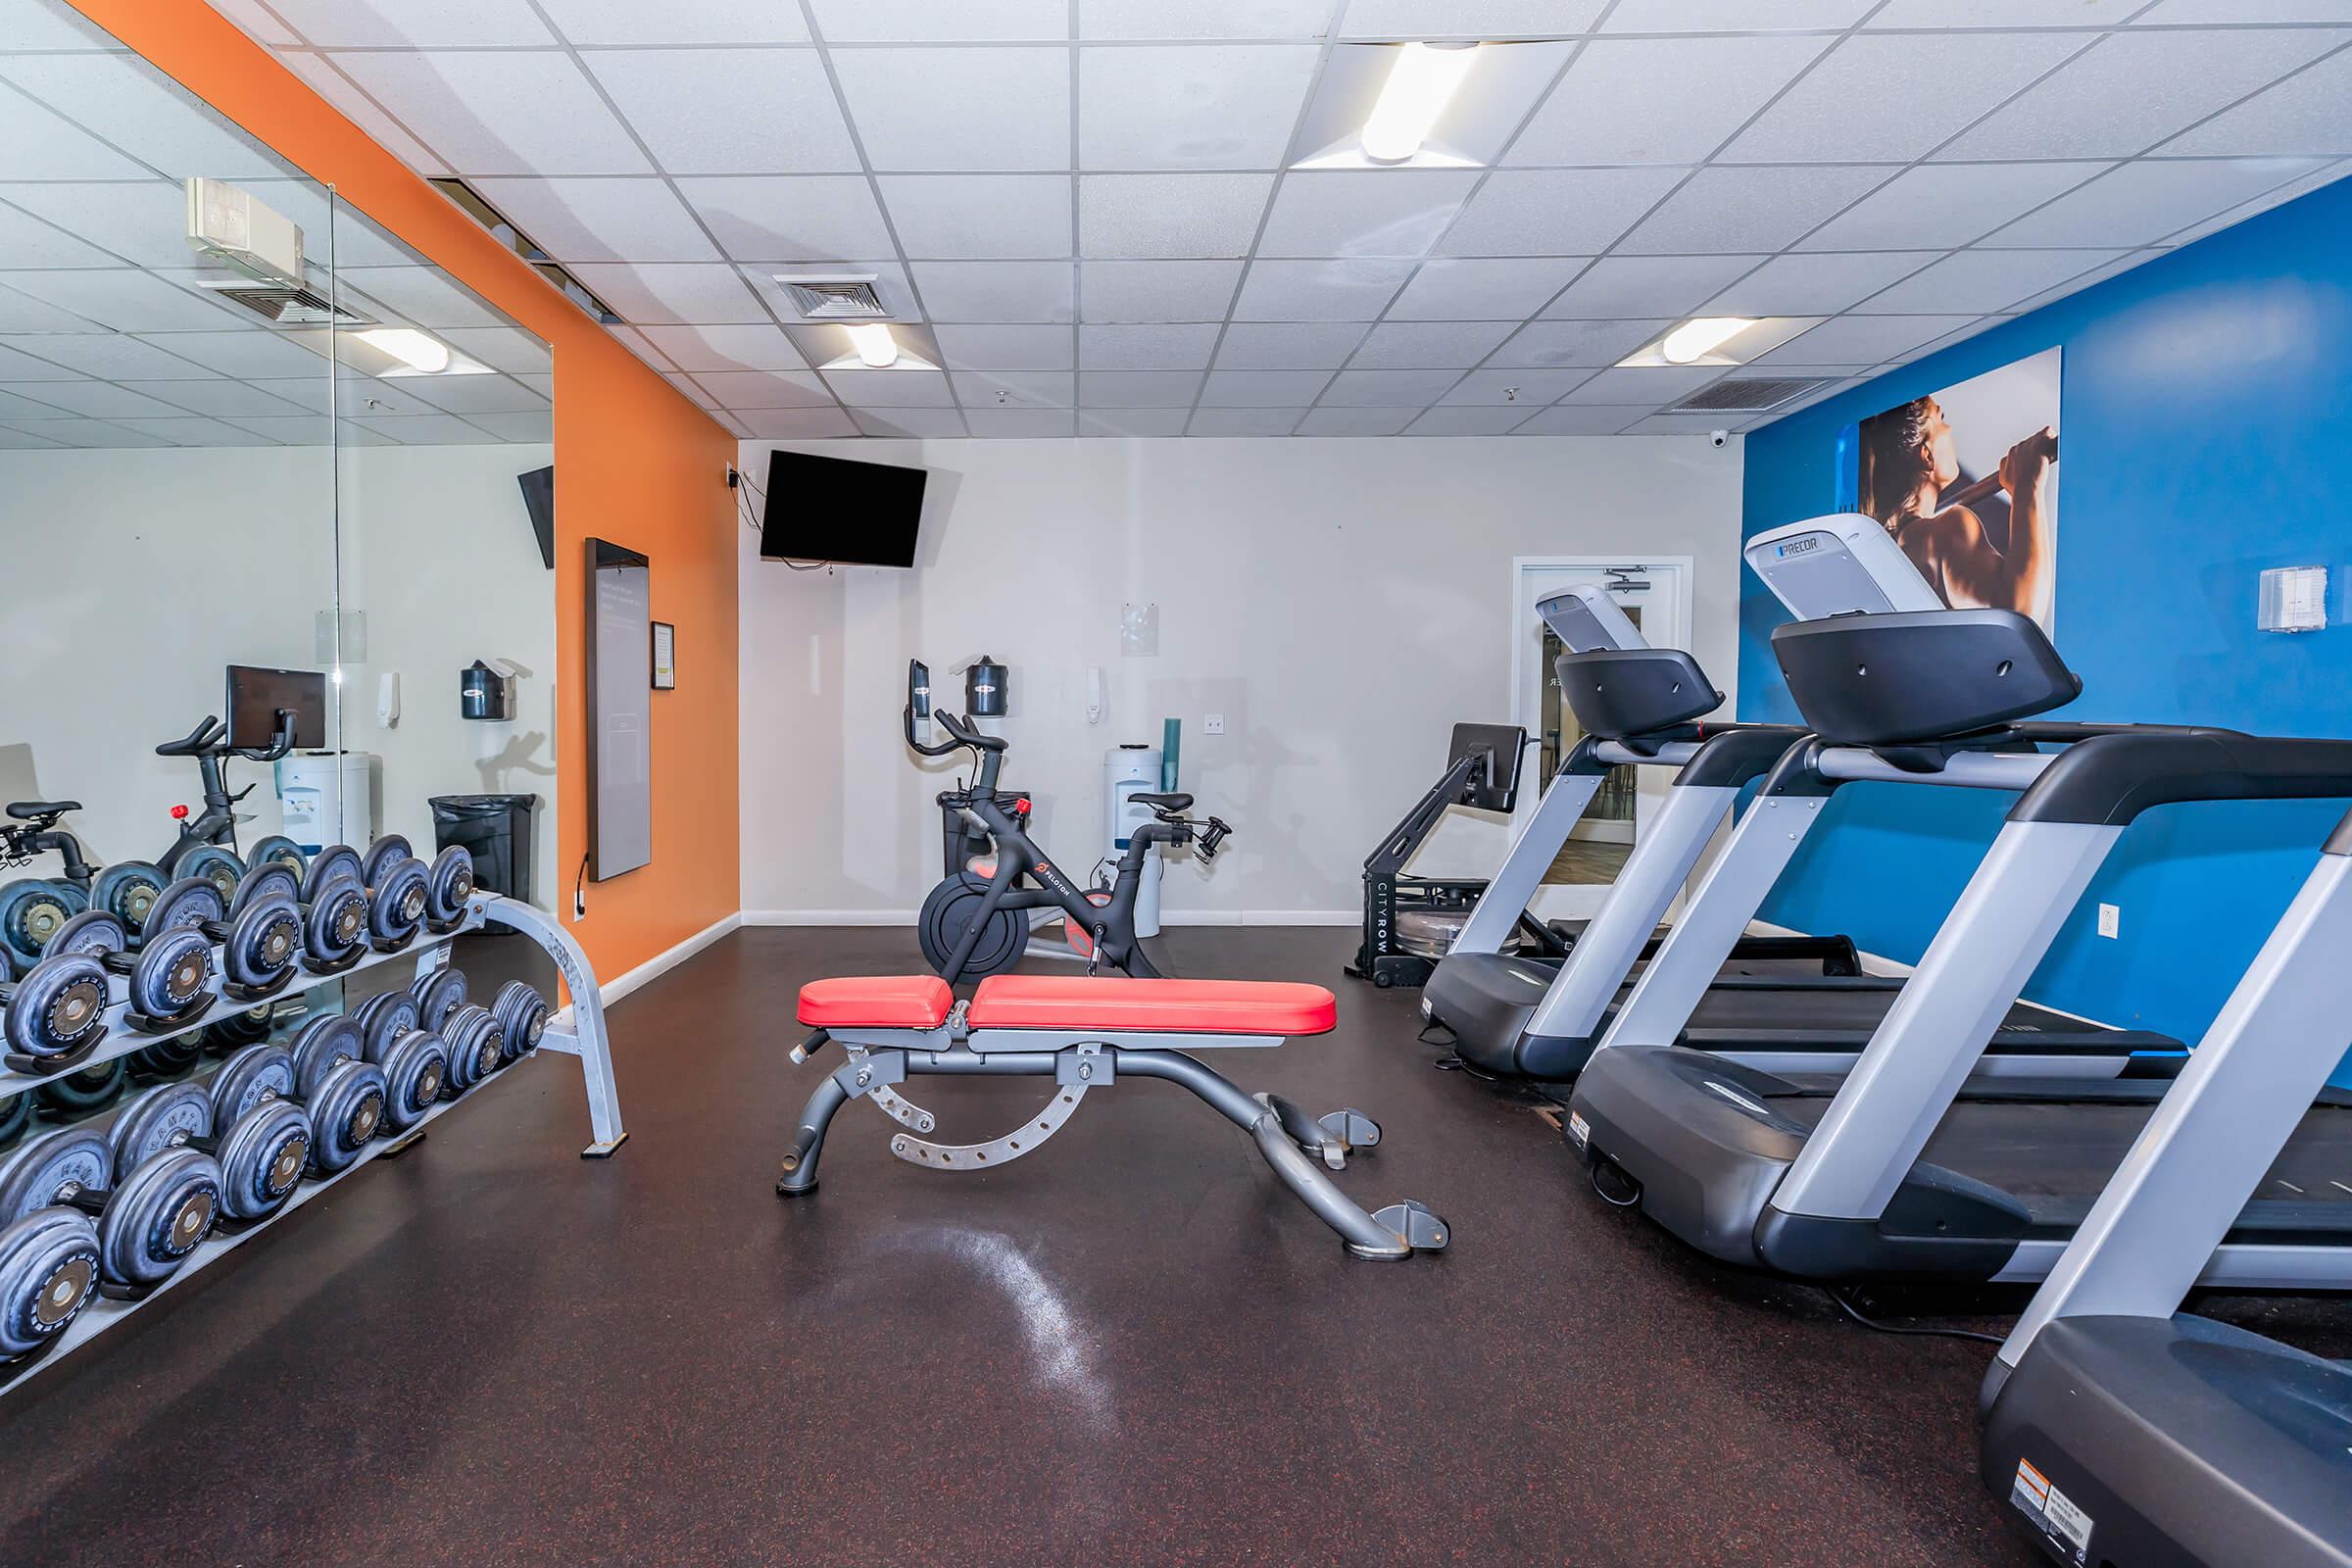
(1343, 918)
(829, 916)
(662, 963)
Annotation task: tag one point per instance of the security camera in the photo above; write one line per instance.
(1717, 438)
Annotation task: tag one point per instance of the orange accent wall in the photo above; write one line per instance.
(635, 462)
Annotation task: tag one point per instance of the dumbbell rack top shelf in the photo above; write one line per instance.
(577, 1031)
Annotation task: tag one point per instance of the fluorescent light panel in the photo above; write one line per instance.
(1420, 86)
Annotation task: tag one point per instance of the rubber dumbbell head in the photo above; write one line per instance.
(248, 1078)
(167, 1058)
(276, 849)
(56, 1010)
(334, 925)
(261, 943)
(94, 932)
(336, 863)
(191, 901)
(521, 1015)
(128, 890)
(449, 885)
(345, 1113)
(270, 879)
(472, 1037)
(48, 1272)
(383, 1019)
(415, 1070)
(52, 1168)
(173, 972)
(84, 1092)
(438, 995)
(156, 1216)
(318, 1045)
(384, 854)
(164, 1117)
(217, 865)
(396, 904)
(263, 1156)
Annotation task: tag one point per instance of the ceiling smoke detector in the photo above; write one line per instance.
(1748, 394)
(834, 296)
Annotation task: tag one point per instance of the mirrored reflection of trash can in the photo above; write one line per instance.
(496, 829)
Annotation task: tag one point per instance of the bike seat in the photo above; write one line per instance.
(26, 810)
(1165, 802)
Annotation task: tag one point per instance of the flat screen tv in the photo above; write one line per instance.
(539, 499)
(256, 695)
(834, 508)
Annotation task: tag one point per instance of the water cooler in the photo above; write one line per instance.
(1127, 771)
(328, 798)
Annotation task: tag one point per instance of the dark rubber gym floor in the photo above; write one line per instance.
(1133, 1347)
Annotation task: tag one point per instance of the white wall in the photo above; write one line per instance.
(136, 576)
(1342, 603)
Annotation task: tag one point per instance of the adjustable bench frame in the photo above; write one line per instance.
(1078, 1060)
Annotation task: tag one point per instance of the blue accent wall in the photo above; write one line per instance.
(2205, 421)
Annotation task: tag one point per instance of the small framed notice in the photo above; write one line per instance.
(666, 657)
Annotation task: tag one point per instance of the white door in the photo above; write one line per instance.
(1656, 595)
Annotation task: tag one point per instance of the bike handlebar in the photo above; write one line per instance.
(197, 740)
(206, 738)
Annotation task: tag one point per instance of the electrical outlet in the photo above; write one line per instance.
(1212, 724)
(2111, 920)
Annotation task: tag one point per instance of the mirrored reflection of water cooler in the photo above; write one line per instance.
(328, 798)
(1127, 771)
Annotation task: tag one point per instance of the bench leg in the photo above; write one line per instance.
(1398, 1231)
(808, 1140)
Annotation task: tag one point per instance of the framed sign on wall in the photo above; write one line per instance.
(666, 657)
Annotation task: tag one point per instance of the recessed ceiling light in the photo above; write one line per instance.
(1700, 336)
(876, 349)
(420, 352)
(1420, 86)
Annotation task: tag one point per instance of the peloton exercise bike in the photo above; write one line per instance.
(977, 922)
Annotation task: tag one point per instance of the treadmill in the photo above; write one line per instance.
(2121, 1428)
(1525, 1016)
(1894, 1174)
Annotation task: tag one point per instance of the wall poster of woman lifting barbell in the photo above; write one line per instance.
(1967, 481)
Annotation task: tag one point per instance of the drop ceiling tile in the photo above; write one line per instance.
(499, 111)
(671, 292)
(735, 23)
(793, 218)
(95, 434)
(124, 100)
(1619, 286)
(1319, 291)
(221, 398)
(1982, 281)
(1171, 346)
(197, 432)
(1729, 209)
(2303, 185)
(100, 400)
(774, 389)
(502, 348)
(371, 397)
(1649, 385)
(42, 145)
(472, 394)
(1262, 389)
(2133, 89)
(1019, 389)
(2181, 12)
(1587, 345)
(326, 79)
(123, 300)
(1133, 421)
(1289, 345)
(1468, 19)
(890, 282)
(601, 220)
(979, 216)
(997, 292)
(780, 115)
(1387, 388)
(1007, 348)
(695, 349)
(54, 24)
(1659, 100)
(1734, 16)
(1099, 20)
(636, 342)
(433, 429)
(1483, 288)
(1521, 388)
(953, 111)
(1181, 215)
(1430, 345)
(2303, 114)
(1860, 340)
(692, 390)
(1358, 419)
(928, 22)
(899, 423)
(1563, 211)
(1155, 291)
(1244, 422)
(357, 242)
(15, 440)
(428, 297)
(2098, 274)
(1388, 211)
(1960, 334)
(520, 428)
(22, 313)
(1469, 420)
(2138, 203)
(1021, 423)
(1215, 106)
(872, 389)
(1889, 96)
(1569, 419)
(411, 23)
(109, 356)
(244, 352)
(140, 214)
(1945, 206)
(795, 424)
(1939, 13)
(296, 430)
(1814, 285)
(1137, 389)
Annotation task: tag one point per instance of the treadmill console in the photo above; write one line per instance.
(1844, 564)
(1586, 620)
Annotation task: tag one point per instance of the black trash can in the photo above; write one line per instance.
(496, 830)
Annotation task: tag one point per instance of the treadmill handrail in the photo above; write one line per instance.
(2110, 779)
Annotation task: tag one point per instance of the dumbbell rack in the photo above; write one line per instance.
(578, 1030)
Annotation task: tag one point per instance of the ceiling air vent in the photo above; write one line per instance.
(1747, 395)
(281, 305)
(834, 297)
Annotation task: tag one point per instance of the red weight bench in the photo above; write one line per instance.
(1087, 1033)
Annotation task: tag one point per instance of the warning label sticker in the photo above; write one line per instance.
(1579, 1129)
(2066, 1524)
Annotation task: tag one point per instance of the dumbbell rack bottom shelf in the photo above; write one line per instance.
(105, 1312)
